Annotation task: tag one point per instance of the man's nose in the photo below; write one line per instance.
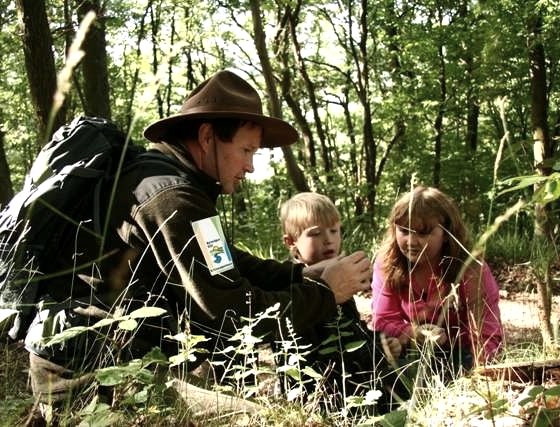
(250, 167)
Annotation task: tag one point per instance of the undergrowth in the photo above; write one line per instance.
(142, 392)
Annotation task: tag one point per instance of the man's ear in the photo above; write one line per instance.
(205, 136)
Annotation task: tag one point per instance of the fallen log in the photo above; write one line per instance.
(534, 372)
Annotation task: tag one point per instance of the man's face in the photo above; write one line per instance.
(235, 158)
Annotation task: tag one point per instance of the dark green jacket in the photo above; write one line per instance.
(152, 258)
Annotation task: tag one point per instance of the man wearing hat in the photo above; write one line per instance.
(166, 247)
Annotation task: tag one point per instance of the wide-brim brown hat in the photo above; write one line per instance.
(226, 95)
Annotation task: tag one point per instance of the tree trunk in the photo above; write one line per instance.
(295, 173)
(399, 125)
(6, 188)
(542, 153)
(281, 48)
(311, 93)
(94, 63)
(39, 64)
(438, 125)
(363, 89)
(135, 79)
(473, 108)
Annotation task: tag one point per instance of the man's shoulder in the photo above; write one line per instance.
(151, 174)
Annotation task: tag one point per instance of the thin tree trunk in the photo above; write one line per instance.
(6, 187)
(399, 125)
(542, 152)
(438, 124)
(135, 78)
(154, 17)
(473, 108)
(370, 146)
(39, 64)
(94, 63)
(295, 173)
(311, 92)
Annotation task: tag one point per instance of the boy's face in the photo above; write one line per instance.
(315, 243)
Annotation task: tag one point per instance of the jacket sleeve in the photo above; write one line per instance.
(218, 301)
(388, 315)
(268, 274)
(482, 297)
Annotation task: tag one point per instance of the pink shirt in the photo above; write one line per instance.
(393, 312)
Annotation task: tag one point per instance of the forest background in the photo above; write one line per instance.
(462, 95)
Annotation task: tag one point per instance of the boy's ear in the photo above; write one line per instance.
(288, 241)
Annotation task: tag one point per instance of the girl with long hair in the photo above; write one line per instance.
(426, 283)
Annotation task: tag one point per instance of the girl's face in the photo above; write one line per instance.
(421, 243)
(316, 243)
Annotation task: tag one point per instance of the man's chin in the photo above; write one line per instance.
(231, 188)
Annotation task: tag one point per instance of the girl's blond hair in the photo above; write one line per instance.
(421, 207)
(305, 210)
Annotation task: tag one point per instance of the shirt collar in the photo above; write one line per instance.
(184, 158)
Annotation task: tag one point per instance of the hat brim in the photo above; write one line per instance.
(276, 132)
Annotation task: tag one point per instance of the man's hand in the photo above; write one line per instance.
(316, 270)
(347, 275)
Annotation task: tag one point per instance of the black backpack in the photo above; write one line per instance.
(61, 194)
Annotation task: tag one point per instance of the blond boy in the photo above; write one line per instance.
(312, 233)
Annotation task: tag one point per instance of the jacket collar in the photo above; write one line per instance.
(182, 156)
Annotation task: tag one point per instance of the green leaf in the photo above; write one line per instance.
(394, 419)
(331, 338)
(527, 400)
(328, 350)
(291, 372)
(128, 325)
(141, 396)
(147, 312)
(536, 390)
(66, 335)
(309, 371)
(155, 355)
(545, 418)
(112, 375)
(104, 322)
(354, 345)
(524, 182)
(182, 357)
(553, 391)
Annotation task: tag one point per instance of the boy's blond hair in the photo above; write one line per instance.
(305, 210)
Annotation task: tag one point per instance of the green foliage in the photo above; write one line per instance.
(483, 58)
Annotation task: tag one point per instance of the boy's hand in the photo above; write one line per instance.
(347, 275)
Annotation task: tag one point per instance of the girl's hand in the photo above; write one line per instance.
(392, 348)
(429, 332)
